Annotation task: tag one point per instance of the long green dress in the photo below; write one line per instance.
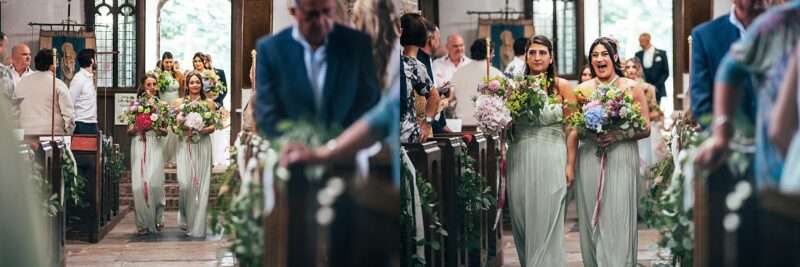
(194, 179)
(537, 189)
(169, 95)
(612, 242)
(147, 176)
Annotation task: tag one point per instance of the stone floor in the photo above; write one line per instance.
(170, 248)
(647, 252)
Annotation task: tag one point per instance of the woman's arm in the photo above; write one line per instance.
(571, 135)
(783, 123)
(132, 130)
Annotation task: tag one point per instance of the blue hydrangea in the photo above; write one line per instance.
(595, 118)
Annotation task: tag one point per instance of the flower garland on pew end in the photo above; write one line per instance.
(239, 210)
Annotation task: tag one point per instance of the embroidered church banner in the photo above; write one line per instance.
(503, 33)
(68, 44)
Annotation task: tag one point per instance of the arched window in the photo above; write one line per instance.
(116, 43)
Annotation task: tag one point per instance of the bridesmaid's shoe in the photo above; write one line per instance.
(159, 227)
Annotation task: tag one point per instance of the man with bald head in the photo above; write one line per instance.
(21, 61)
(445, 67)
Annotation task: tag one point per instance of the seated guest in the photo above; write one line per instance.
(37, 108)
(468, 77)
(21, 61)
(84, 94)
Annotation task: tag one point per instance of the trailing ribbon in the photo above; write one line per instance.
(600, 187)
(141, 170)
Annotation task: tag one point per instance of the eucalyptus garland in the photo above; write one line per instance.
(74, 182)
(475, 196)
(113, 161)
(429, 203)
(49, 202)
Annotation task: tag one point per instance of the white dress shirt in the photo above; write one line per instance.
(316, 65)
(736, 22)
(517, 66)
(648, 57)
(17, 76)
(443, 68)
(84, 96)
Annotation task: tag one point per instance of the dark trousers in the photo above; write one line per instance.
(85, 128)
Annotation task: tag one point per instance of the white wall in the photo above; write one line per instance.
(18, 13)
(280, 15)
(721, 7)
(453, 16)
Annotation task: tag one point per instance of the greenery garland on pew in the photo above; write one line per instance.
(51, 204)
(475, 196)
(75, 183)
(240, 217)
(663, 207)
(113, 162)
(429, 203)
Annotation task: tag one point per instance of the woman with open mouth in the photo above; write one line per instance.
(606, 191)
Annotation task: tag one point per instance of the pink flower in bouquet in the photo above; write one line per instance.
(592, 104)
(154, 117)
(494, 85)
(194, 121)
(133, 108)
(180, 117)
(143, 121)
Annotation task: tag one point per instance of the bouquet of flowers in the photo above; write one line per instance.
(215, 86)
(491, 112)
(145, 115)
(193, 116)
(530, 98)
(608, 109)
(164, 81)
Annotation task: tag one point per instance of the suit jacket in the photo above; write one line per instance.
(37, 105)
(658, 73)
(284, 92)
(221, 74)
(710, 42)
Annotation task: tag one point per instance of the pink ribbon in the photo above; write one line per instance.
(141, 170)
(599, 198)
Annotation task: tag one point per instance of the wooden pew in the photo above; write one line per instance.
(477, 149)
(98, 217)
(495, 246)
(780, 228)
(364, 231)
(47, 153)
(427, 159)
(453, 216)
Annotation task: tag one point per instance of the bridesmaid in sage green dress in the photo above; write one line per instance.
(169, 95)
(611, 239)
(541, 159)
(147, 166)
(194, 165)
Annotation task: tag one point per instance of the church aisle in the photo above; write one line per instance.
(646, 253)
(122, 248)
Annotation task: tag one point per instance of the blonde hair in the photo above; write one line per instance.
(378, 19)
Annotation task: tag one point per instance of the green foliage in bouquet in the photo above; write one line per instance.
(193, 116)
(527, 100)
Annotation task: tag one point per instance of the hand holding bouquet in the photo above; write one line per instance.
(191, 117)
(145, 115)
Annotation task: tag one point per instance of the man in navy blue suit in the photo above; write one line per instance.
(314, 70)
(710, 42)
(656, 68)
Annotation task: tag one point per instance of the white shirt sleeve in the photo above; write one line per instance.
(67, 109)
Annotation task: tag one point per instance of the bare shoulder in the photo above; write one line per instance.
(211, 105)
(586, 84)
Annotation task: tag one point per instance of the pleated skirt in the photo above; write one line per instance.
(194, 179)
(147, 178)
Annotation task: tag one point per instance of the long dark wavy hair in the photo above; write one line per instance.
(611, 46)
(551, 69)
(189, 77)
(165, 56)
(140, 92)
